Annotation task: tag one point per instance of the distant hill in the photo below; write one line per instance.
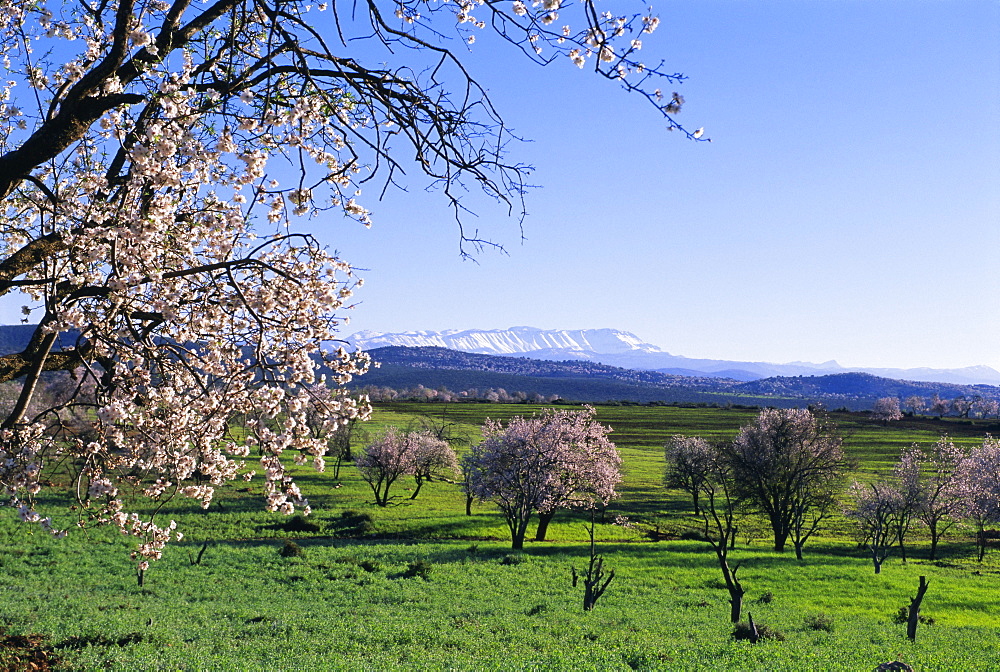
(623, 349)
(433, 367)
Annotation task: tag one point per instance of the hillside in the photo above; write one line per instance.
(434, 368)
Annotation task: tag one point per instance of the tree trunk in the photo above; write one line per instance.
(781, 530)
(420, 482)
(934, 541)
(543, 525)
(517, 531)
(735, 588)
(914, 615)
(736, 603)
(468, 504)
(798, 550)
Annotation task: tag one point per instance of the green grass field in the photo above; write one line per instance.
(355, 599)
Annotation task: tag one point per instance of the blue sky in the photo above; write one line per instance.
(848, 207)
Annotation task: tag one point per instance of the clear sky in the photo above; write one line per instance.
(848, 207)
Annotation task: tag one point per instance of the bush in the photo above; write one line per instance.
(903, 615)
(513, 559)
(418, 568)
(819, 622)
(290, 550)
(742, 632)
(766, 598)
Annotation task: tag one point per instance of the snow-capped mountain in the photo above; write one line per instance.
(514, 341)
(621, 348)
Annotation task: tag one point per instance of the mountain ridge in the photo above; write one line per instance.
(433, 367)
(624, 349)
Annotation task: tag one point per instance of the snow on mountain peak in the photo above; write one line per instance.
(511, 341)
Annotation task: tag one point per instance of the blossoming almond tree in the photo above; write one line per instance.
(552, 460)
(155, 156)
(788, 463)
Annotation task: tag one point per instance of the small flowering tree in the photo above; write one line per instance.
(156, 157)
(689, 460)
(875, 509)
(553, 460)
(916, 404)
(886, 409)
(434, 458)
(396, 453)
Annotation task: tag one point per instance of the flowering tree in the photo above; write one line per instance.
(979, 476)
(886, 409)
(396, 453)
(433, 458)
(553, 460)
(787, 464)
(935, 486)
(689, 462)
(875, 509)
(938, 405)
(154, 155)
(916, 404)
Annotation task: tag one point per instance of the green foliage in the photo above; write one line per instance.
(418, 569)
(820, 621)
(743, 632)
(290, 550)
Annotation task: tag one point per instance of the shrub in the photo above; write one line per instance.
(418, 568)
(742, 631)
(903, 615)
(766, 598)
(290, 550)
(513, 559)
(819, 622)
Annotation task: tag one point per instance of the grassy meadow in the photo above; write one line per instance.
(419, 585)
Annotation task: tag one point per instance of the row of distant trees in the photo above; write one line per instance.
(443, 394)
(890, 408)
(885, 408)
